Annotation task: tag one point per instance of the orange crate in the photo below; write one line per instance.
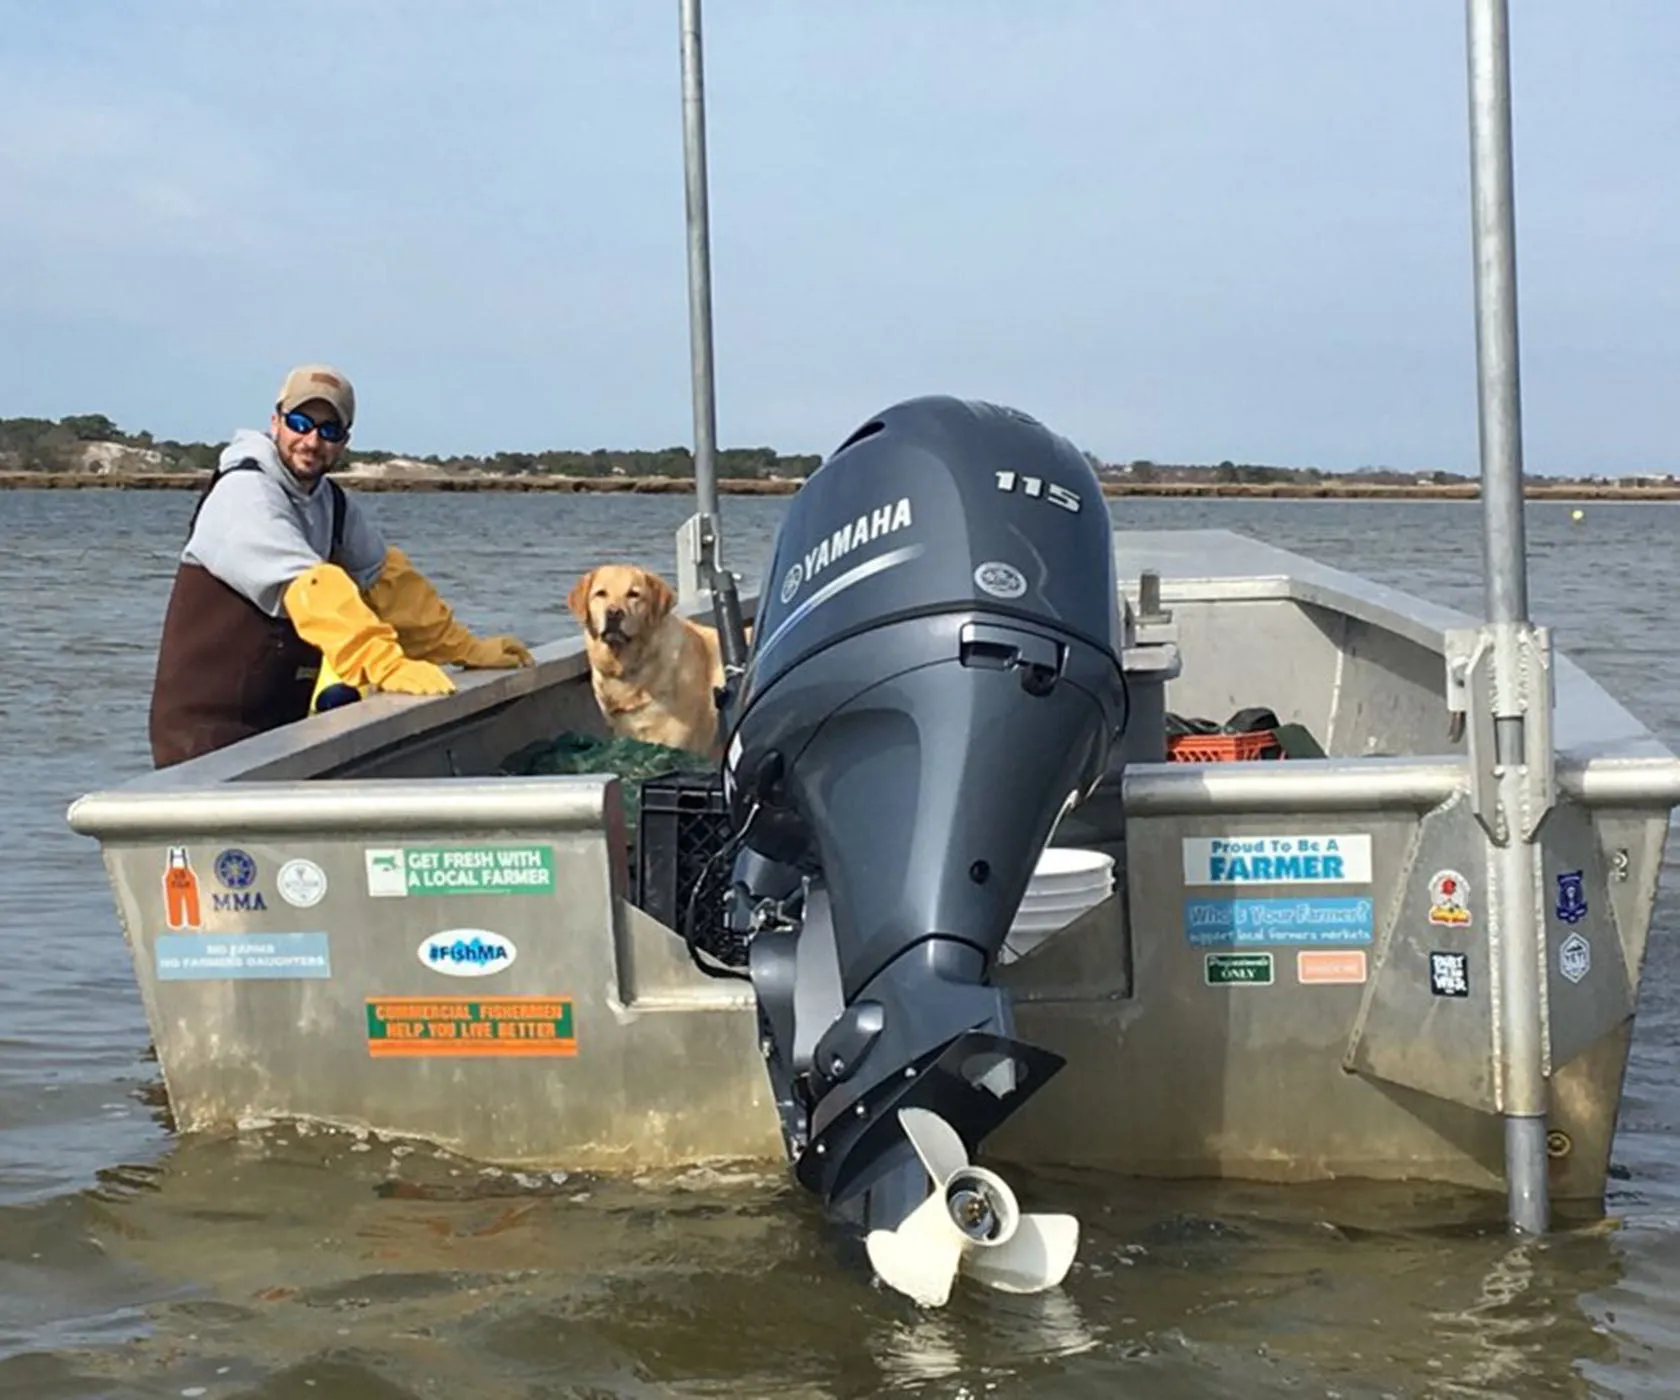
(1221, 748)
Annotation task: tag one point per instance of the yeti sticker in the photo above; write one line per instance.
(866, 529)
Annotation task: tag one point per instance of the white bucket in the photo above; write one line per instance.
(1066, 870)
(1065, 883)
(1068, 905)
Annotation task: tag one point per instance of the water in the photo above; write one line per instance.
(285, 1264)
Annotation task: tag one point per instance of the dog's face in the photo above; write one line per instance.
(619, 603)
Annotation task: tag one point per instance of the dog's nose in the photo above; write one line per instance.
(614, 616)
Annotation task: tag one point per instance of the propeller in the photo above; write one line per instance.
(969, 1223)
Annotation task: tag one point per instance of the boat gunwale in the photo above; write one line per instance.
(1605, 755)
(1589, 722)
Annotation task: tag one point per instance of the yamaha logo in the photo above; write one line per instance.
(853, 535)
(1000, 580)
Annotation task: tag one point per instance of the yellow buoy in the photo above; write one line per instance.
(1577, 515)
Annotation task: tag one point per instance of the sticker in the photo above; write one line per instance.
(1342, 919)
(1449, 974)
(394, 871)
(483, 1026)
(235, 869)
(1237, 969)
(238, 902)
(1575, 957)
(1331, 968)
(467, 952)
(273, 956)
(1449, 899)
(180, 891)
(302, 883)
(1572, 897)
(791, 581)
(1000, 580)
(1277, 860)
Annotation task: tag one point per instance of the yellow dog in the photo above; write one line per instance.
(652, 670)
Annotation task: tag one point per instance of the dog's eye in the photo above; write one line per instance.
(599, 593)
(635, 593)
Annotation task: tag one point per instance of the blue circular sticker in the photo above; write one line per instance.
(236, 870)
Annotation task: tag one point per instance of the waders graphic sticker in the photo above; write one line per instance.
(180, 891)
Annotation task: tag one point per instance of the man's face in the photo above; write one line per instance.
(307, 455)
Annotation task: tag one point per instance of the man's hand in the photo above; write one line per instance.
(410, 677)
(499, 653)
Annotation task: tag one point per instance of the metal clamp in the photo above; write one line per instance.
(1498, 674)
(697, 556)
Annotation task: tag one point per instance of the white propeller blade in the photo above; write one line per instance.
(921, 1257)
(1038, 1257)
(936, 1143)
(970, 1222)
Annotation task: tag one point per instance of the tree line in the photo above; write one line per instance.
(46, 444)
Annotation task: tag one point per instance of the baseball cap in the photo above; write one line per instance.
(323, 382)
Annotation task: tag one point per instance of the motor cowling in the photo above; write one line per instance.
(938, 504)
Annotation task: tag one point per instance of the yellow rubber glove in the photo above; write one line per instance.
(332, 690)
(426, 627)
(360, 647)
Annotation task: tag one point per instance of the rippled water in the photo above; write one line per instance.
(285, 1264)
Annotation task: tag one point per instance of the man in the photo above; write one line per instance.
(283, 570)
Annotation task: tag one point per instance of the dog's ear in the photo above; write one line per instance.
(578, 599)
(660, 597)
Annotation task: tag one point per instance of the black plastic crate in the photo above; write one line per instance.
(683, 826)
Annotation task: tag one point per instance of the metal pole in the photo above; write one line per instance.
(701, 531)
(1498, 382)
(1513, 866)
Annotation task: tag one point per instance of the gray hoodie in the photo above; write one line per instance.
(258, 531)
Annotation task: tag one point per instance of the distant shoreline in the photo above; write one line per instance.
(682, 486)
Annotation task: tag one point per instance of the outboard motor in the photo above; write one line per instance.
(934, 680)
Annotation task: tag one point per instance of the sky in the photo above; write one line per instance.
(1185, 232)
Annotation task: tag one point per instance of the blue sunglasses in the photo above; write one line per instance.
(303, 425)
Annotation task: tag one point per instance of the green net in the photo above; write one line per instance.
(631, 759)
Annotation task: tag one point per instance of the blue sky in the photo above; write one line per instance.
(1181, 231)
